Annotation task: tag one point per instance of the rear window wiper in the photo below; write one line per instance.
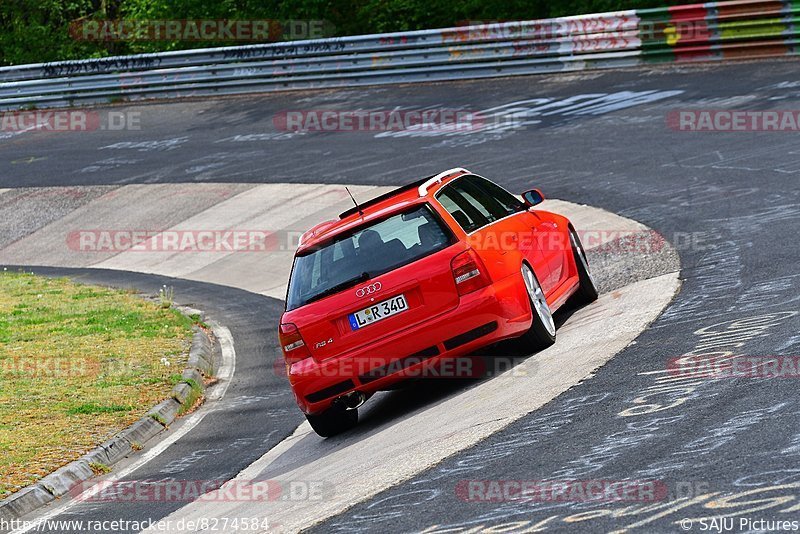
(363, 277)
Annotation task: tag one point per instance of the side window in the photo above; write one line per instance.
(463, 211)
(471, 188)
(509, 202)
(475, 202)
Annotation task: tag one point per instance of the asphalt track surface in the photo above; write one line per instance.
(728, 201)
(394, 426)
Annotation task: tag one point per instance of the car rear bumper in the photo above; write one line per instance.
(432, 349)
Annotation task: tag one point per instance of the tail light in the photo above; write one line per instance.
(470, 272)
(294, 348)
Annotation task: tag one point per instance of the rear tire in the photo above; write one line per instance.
(333, 421)
(587, 292)
(542, 332)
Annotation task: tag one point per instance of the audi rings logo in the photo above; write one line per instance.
(369, 290)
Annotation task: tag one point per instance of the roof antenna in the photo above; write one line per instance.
(361, 213)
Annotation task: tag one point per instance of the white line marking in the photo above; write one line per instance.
(225, 374)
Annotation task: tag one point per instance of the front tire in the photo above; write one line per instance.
(542, 332)
(587, 292)
(333, 421)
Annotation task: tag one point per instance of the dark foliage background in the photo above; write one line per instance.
(33, 31)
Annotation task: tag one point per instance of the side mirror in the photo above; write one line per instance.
(532, 198)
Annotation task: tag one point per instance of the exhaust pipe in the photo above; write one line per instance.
(351, 401)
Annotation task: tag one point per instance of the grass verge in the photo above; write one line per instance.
(77, 365)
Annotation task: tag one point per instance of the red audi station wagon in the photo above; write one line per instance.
(429, 272)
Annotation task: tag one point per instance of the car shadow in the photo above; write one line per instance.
(425, 393)
(386, 408)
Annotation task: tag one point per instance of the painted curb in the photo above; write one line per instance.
(395, 451)
(202, 363)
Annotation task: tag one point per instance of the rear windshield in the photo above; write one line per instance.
(369, 252)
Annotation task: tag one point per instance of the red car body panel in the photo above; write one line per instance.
(438, 324)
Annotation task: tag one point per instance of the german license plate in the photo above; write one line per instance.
(378, 312)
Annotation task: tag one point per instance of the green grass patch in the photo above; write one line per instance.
(191, 399)
(77, 365)
(86, 409)
(157, 418)
(99, 468)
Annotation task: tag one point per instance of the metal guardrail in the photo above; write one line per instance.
(700, 32)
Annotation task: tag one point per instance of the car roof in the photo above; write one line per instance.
(399, 199)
